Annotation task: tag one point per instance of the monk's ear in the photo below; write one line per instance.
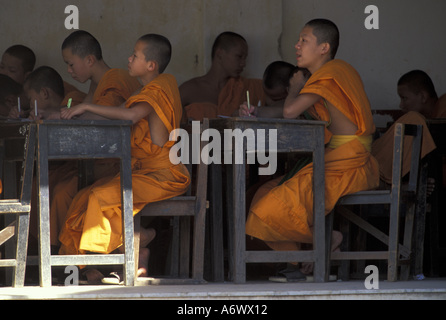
(424, 96)
(90, 60)
(325, 48)
(44, 93)
(151, 65)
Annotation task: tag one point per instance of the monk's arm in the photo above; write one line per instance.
(135, 113)
(295, 105)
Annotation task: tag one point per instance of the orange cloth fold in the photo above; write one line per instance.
(382, 148)
(230, 98)
(94, 220)
(115, 87)
(285, 213)
(72, 92)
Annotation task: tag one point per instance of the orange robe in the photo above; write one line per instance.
(284, 214)
(382, 147)
(94, 218)
(72, 92)
(115, 87)
(229, 100)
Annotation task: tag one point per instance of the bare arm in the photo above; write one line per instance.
(134, 114)
(296, 103)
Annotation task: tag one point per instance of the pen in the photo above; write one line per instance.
(18, 104)
(69, 103)
(249, 104)
(35, 108)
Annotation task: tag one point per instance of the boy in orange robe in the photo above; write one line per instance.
(94, 223)
(221, 90)
(282, 215)
(108, 87)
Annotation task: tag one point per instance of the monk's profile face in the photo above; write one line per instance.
(137, 61)
(233, 60)
(13, 67)
(308, 50)
(409, 100)
(77, 67)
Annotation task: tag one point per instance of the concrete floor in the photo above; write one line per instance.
(428, 289)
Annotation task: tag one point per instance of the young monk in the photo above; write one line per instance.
(417, 93)
(282, 215)
(17, 62)
(222, 89)
(108, 87)
(419, 102)
(276, 81)
(45, 85)
(94, 222)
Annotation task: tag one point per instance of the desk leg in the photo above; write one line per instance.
(44, 209)
(127, 212)
(239, 205)
(215, 223)
(319, 216)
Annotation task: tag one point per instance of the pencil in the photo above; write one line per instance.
(69, 103)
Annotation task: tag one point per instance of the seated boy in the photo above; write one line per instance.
(417, 93)
(108, 87)
(93, 221)
(419, 102)
(222, 89)
(276, 81)
(45, 85)
(282, 215)
(17, 62)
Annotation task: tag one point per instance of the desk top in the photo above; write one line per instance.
(254, 120)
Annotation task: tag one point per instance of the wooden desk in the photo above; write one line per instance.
(292, 136)
(75, 139)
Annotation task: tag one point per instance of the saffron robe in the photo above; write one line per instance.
(114, 88)
(285, 212)
(230, 98)
(382, 148)
(72, 92)
(94, 220)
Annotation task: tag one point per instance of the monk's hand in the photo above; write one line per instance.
(70, 113)
(297, 82)
(247, 111)
(15, 114)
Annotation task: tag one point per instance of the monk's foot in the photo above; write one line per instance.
(336, 240)
(146, 236)
(144, 254)
(93, 276)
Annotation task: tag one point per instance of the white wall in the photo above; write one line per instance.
(410, 36)
(411, 33)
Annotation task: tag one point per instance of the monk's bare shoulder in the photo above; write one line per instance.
(197, 90)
